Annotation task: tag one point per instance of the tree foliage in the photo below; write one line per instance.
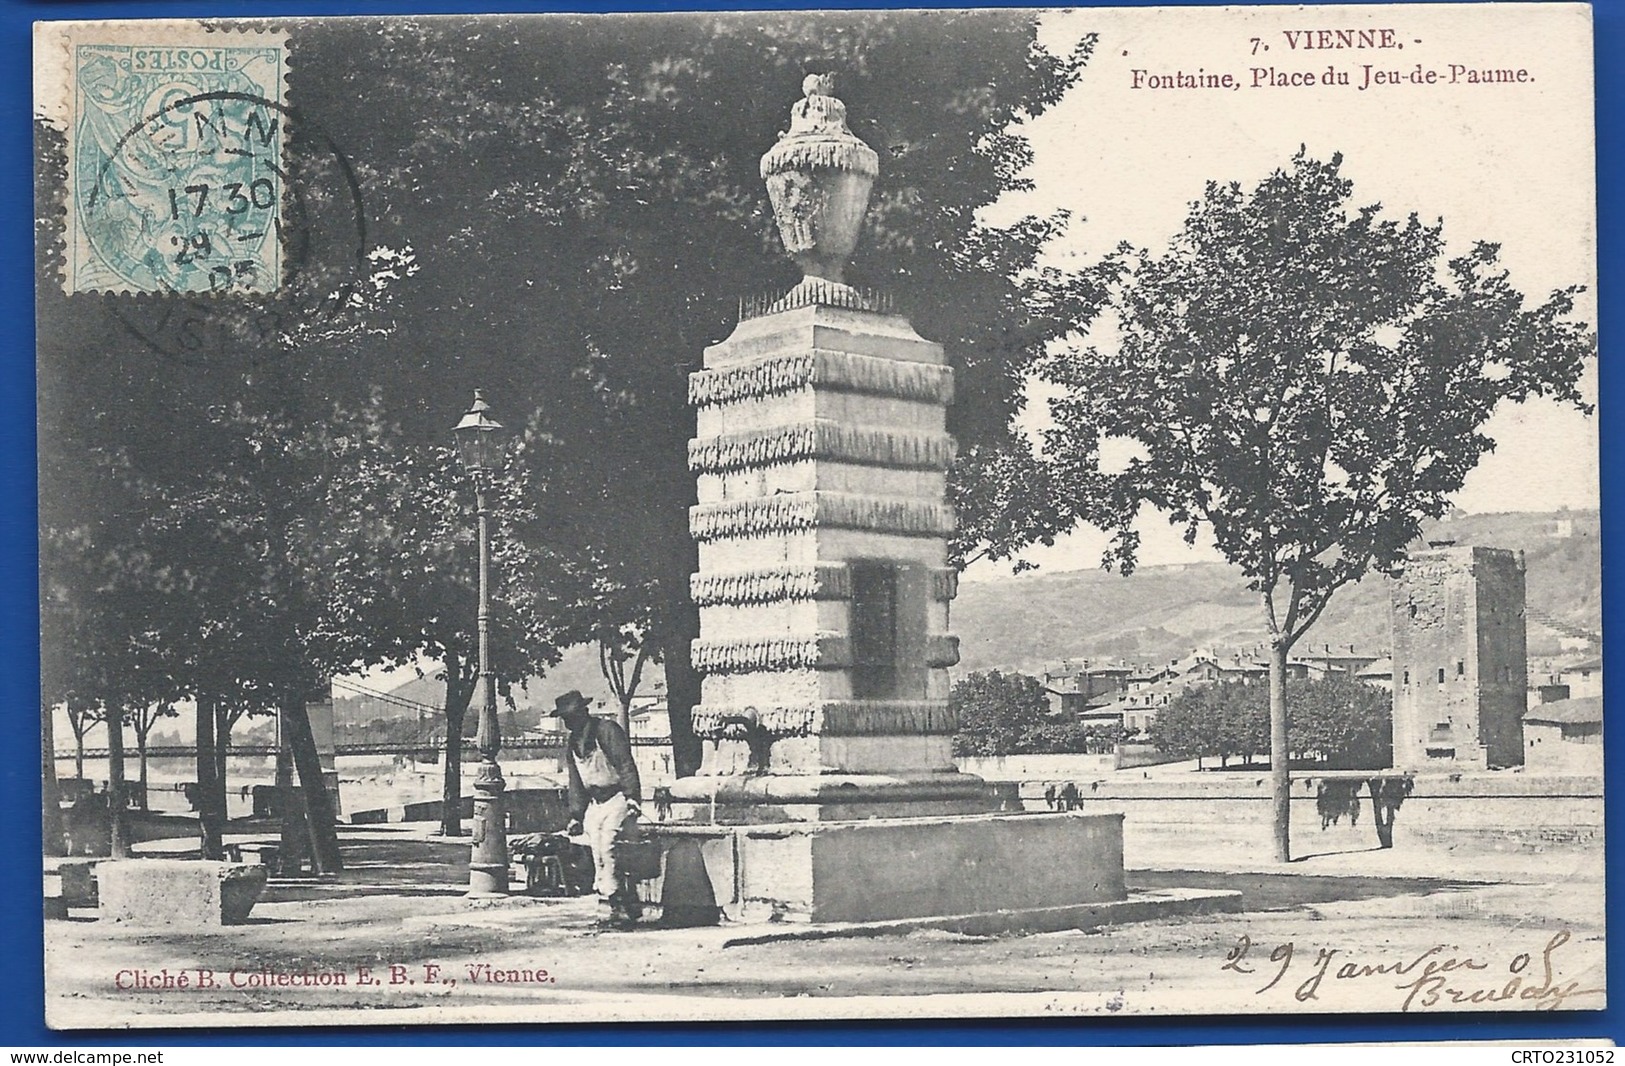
(1074, 738)
(1342, 723)
(1226, 720)
(1306, 380)
(402, 549)
(998, 713)
(564, 216)
(1337, 722)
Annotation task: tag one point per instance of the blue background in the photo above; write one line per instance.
(21, 964)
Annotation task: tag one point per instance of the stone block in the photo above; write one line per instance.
(183, 892)
(71, 880)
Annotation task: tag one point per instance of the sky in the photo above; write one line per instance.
(1512, 163)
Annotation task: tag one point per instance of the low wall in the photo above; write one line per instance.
(1038, 768)
(1494, 810)
(1059, 767)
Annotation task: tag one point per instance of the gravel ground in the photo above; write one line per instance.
(1349, 928)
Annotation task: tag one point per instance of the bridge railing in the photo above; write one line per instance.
(365, 748)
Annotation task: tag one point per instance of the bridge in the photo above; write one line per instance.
(424, 749)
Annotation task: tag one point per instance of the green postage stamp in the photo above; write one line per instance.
(174, 156)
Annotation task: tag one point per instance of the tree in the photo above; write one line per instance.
(1337, 721)
(998, 713)
(613, 219)
(1307, 382)
(632, 160)
(1343, 723)
(101, 656)
(1243, 723)
(1178, 727)
(246, 534)
(615, 648)
(142, 719)
(1222, 720)
(400, 545)
(81, 716)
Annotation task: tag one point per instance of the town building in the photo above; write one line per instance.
(1077, 686)
(1583, 678)
(1561, 677)
(1460, 667)
(648, 716)
(1144, 690)
(1564, 737)
(1326, 660)
(1379, 673)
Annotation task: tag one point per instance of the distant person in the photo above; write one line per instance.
(1069, 797)
(1324, 805)
(90, 825)
(604, 792)
(1049, 795)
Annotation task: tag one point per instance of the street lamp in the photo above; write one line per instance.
(479, 447)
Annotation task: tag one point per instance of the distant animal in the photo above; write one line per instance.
(1387, 794)
(1334, 799)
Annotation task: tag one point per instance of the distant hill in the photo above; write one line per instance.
(1160, 612)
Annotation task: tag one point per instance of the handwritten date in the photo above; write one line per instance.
(1433, 979)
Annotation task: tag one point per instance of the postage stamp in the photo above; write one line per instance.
(175, 158)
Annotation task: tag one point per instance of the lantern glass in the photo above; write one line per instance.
(478, 436)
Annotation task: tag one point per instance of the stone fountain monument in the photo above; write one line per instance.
(828, 791)
(822, 455)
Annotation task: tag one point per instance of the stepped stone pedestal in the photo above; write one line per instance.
(824, 584)
(828, 791)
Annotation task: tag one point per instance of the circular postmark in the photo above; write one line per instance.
(240, 221)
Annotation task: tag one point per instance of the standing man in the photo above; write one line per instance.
(604, 792)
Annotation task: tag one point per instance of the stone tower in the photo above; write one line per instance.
(821, 456)
(1460, 659)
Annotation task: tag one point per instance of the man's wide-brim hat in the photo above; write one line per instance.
(570, 701)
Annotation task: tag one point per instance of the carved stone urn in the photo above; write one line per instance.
(818, 178)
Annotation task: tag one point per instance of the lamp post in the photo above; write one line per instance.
(479, 447)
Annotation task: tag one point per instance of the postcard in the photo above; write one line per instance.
(819, 515)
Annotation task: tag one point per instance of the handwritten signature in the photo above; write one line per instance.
(1433, 978)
